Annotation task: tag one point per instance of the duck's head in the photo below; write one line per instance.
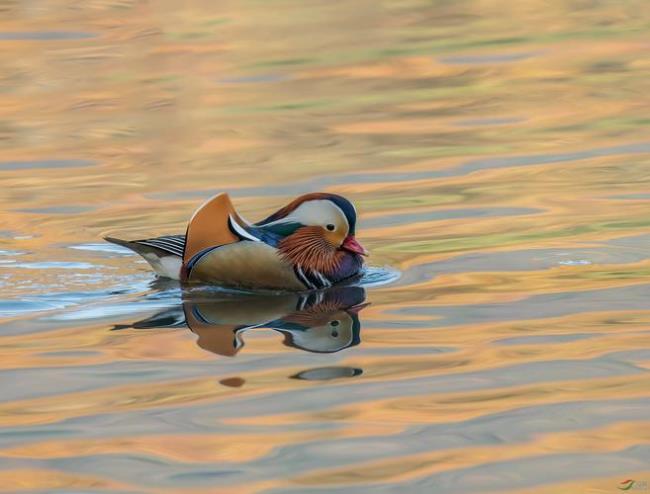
(316, 230)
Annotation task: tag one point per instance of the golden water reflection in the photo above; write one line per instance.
(498, 155)
(325, 321)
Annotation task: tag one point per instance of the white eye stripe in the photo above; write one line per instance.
(316, 212)
(345, 218)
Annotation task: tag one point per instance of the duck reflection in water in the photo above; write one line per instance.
(321, 322)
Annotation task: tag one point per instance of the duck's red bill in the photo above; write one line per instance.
(351, 244)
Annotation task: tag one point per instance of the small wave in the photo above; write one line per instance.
(379, 276)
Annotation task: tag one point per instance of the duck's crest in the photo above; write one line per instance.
(346, 207)
(293, 205)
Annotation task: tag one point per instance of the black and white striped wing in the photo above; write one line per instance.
(174, 244)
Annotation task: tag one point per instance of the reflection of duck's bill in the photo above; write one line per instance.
(355, 309)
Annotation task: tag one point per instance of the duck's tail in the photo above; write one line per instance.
(164, 254)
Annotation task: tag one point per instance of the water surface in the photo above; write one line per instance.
(499, 157)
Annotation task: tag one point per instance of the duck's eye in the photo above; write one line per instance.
(334, 323)
(330, 227)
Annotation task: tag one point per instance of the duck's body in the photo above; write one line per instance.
(309, 244)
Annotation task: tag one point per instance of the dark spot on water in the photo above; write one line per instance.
(233, 382)
(615, 66)
(327, 373)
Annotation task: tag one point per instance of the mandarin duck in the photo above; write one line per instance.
(309, 244)
(323, 321)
